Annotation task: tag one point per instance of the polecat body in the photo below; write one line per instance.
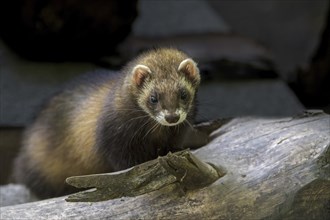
(109, 123)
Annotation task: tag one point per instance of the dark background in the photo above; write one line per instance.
(264, 58)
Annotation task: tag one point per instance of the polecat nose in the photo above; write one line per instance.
(172, 118)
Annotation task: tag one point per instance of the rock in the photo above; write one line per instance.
(13, 194)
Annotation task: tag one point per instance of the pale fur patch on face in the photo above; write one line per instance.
(188, 86)
(147, 88)
(161, 117)
(171, 84)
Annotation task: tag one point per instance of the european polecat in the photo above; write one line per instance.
(108, 123)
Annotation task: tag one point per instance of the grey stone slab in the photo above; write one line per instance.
(13, 194)
(290, 29)
(24, 85)
(269, 98)
(172, 17)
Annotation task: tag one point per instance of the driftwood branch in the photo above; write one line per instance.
(276, 169)
(181, 168)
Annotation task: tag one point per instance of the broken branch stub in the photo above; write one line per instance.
(181, 168)
(190, 172)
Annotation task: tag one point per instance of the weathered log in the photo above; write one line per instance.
(181, 168)
(276, 169)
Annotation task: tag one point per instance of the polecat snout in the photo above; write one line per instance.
(107, 122)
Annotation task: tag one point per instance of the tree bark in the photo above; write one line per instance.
(276, 169)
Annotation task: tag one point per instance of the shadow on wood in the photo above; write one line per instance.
(276, 168)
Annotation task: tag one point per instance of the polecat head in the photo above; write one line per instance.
(166, 82)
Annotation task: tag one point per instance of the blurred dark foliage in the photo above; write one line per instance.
(61, 30)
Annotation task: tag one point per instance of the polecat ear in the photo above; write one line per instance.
(190, 69)
(140, 72)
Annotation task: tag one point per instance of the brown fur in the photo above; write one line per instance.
(75, 154)
(96, 127)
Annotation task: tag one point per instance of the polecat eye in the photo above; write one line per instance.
(183, 94)
(153, 99)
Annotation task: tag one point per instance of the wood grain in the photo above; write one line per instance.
(276, 169)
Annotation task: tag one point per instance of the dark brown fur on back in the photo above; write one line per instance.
(97, 125)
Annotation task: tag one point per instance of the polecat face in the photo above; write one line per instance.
(167, 94)
(169, 106)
